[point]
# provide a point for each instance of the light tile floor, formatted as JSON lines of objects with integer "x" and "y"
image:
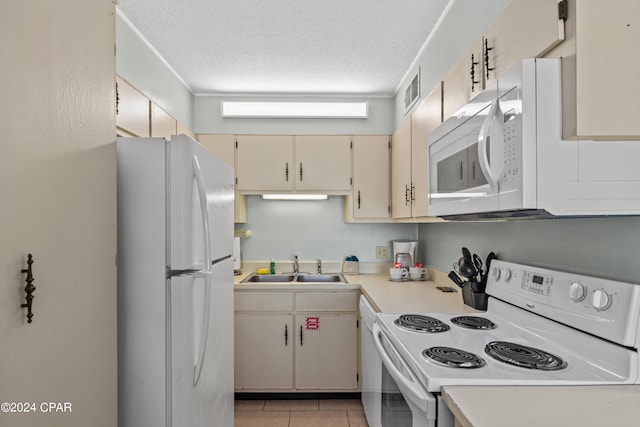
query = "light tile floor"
{"x": 300, "y": 413}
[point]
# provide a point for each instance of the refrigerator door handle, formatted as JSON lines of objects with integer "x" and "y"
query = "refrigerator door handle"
{"x": 204, "y": 332}
{"x": 204, "y": 211}
{"x": 207, "y": 273}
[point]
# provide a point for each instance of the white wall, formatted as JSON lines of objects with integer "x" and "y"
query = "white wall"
{"x": 138, "y": 64}
{"x": 313, "y": 229}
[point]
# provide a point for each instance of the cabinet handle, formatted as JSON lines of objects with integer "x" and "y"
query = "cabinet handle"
{"x": 29, "y": 288}
{"x": 286, "y": 171}
{"x": 286, "y": 335}
{"x": 473, "y": 73}
{"x": 406, "y": 195}
{"x": 486, "y": 57}
{"x": 117, "y": 100}
{"x": 413, "y": 194}
{"x": 300, "y": 171}
{"x": 301, "y": 335}
{"x": 461, "y": 170}
{"x": 359, "y": 199}
{"x": 473, "y": 171}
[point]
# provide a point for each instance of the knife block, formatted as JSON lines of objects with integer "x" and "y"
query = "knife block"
{"x": 472, "y": 297}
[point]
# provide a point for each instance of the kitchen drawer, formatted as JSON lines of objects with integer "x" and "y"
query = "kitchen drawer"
{"x": 263, "y": 301}
{"x": 327, "y": 301}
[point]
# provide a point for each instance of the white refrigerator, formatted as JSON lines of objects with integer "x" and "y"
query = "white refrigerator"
{"x": 175, "y": 284}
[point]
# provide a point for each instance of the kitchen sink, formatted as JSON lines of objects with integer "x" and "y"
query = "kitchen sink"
{"x": 269, "y": 278}
{"x": 299, "y": 278}
{"x": 322, "y": 278}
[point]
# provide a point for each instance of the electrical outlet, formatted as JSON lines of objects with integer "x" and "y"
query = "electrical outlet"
{"x": 382, "y": 252}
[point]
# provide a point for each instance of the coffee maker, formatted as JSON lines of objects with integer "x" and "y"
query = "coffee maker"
{"x": 404, "y": 252}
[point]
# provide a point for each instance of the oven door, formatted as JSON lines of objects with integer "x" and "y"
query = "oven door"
{"x": 404, "y": 402}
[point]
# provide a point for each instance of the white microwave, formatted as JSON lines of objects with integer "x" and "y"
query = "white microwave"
{"x": 502, "y": 156}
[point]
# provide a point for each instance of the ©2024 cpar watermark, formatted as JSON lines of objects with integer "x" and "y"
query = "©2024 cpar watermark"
{"x": 36, "y": 407}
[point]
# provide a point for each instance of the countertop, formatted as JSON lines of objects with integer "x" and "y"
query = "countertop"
{"x": 534, "y": 406}
{"x": 385, "y": 295}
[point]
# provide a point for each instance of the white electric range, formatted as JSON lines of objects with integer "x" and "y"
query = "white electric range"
{"x": 541, "y": 327}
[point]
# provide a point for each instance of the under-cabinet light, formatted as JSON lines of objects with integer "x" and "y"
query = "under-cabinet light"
{"x": 319, "y": 110}
{"x": 295, "y": 197}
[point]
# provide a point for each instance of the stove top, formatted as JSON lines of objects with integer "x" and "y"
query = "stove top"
{"x": 541, "y": 327}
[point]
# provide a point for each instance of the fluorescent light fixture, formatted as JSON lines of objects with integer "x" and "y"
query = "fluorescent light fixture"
{"x": 295, "y": 197}
{"x": 317, "y": 110}
{"x": 456, "y": 195}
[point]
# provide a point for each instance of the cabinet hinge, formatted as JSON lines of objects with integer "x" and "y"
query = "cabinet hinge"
{"x": 351, "y": 145}
{"x": 236, "y": 143}
{"x": 357, "y": 323}
{"x": 563, "y": 10}
{"x": 350, "y": 181}
{"x": 236, "y": 180}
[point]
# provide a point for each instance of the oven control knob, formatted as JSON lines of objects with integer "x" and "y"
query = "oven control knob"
{"x": 505, "y": 273}
{"x": 577, "y": 291}
{"x": 600, "y": 300}
{"x": 495, "y": 272}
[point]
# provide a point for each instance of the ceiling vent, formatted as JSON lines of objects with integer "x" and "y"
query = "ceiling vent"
{"x": 412, "y": 92}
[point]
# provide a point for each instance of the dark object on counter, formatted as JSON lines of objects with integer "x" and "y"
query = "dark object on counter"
{"x": 466, "y": 268}
{"x": 490, "y": 258}
{"x": 473, "y": 295}
{"x": 456, "y": 279}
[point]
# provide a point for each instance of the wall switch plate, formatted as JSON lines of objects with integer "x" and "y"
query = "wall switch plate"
{"x": 382, "y": 252}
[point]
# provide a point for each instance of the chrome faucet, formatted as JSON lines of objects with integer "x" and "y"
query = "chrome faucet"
{"x": 319, "y": 266}
{"x": 296, "y": 267}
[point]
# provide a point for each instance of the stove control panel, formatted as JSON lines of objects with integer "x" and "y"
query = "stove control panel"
{"x": 606, "y": 308}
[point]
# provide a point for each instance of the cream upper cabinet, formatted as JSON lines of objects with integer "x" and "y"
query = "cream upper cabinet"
{"x": 370, "y": 196}
{"x": 182, "y": 129}
{"x": 425, "y": 118}
{"x": 401, "y": 171}
{"x": 464, "y": 81}
{"x": 601, "y": 85}
{"x": 271, "y": 163}
{"x": 323, "y": 163}
{"x": 162, "y": 124}
{"x": 223, "y": 145}
{"x": 132, "y": 110}
{"x": 265, "y": 163}
{"x": 525, "y": 29}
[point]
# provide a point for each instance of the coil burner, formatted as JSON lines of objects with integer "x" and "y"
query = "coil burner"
{"x": 420, "y": 323}
{"x": 523, "y": 356}
{"x": 473, "y": 322}
{"x": 453, "y": 357}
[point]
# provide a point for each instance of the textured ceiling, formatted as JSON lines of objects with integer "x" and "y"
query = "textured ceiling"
{"x": 338, "y": 47}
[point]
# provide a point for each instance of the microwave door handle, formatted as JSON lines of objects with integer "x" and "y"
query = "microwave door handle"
{"x": 484, "y": 138}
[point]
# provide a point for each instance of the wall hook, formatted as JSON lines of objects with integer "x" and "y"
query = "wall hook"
{"x": 29, "y": 288}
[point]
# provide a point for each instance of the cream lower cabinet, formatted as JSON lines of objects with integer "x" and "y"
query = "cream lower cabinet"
{"x": 296, "y": 341}
{"x": 263, "y": 351}
{"x": 326, "y": 351}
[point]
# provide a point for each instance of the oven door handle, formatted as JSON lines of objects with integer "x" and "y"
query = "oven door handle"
{"x": 407, "y": 382}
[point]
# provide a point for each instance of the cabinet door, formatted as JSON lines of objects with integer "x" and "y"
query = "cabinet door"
{"x": 463, "y": 81}
{"x": 162, "y": 124}
{"x": 132, "y": 110}
{"x": 525, "y": 29}
{"x": 326, "y": 351}
{"x": 401, "y": 171}
{"x": 606, "y": 70}
{"x": 265, "y": 163}
{"x": 224, "y": 147}
{"x": 370, "y": 176}
{"x": 263, "y": 351}
{"x": 323, "y": 163}
{"x": 426, "y": 117}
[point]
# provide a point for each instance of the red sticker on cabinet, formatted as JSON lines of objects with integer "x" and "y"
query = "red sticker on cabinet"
{"x": 312, "y": 323}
